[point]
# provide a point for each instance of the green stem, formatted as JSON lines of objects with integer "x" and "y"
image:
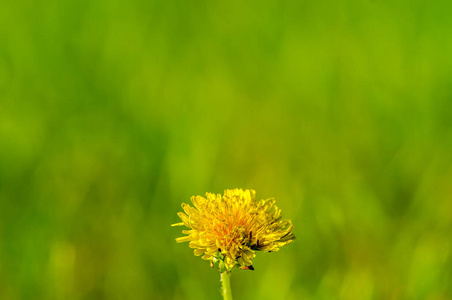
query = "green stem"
{"x": 226, "y": 286}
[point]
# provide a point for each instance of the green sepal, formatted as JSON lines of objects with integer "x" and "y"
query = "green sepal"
{"x": 217, "y": 262}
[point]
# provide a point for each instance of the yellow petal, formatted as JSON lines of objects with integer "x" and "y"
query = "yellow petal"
{"x": 199, "y": 251}
{"x": 183, "y": 239}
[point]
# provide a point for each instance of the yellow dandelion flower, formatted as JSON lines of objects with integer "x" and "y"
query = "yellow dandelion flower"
{"x": 228, "y": 229}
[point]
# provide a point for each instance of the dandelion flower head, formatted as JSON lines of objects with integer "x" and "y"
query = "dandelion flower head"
{"x": 228, "y": 229}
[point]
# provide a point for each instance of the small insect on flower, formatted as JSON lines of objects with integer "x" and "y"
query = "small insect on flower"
{"x": 228, "y": 229}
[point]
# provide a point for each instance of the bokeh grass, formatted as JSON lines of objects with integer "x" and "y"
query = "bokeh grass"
{"x": 112, "y": 113}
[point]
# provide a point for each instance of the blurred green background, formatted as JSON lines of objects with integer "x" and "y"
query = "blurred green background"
{"x": 113, "y": 113}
